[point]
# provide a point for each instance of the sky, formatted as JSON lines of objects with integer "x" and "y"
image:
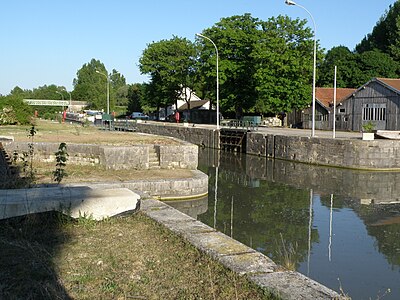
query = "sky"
{"x": 44, "y": 42}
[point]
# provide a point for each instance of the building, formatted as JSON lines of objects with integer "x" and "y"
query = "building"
{"x": 324, "y": 99}
{"x": 377, "y": 101}
{"x": 191, "y": 107}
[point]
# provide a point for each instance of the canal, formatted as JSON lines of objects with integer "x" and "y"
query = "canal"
{"x": 340, "y": 227}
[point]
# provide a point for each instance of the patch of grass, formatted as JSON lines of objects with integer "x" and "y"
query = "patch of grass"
{"x": 126, "y": 258}
{"x": 55, "y": 132}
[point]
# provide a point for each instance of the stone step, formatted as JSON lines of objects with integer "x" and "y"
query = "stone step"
{"x": 154, "y": 162}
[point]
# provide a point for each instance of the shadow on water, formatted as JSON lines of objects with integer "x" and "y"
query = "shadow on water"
{"x": 327, "y": 223}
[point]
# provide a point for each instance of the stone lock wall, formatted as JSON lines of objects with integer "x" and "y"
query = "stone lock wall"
{"x": 199, "y": 136}
{"x": 184, "y": 156}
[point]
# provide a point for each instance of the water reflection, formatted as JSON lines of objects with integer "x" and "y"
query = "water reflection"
{"x": 314, "y": 219}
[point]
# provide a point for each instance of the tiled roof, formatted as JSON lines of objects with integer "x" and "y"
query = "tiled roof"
{"x": 325, "y": 95}
{"x": 392, "y": 82}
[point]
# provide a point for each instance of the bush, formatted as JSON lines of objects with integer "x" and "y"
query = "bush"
{"x": 14, "y": 111}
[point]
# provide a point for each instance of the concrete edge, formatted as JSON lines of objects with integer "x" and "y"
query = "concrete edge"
{"x": 236, "y": 256}
{"x": 169, "y": 189}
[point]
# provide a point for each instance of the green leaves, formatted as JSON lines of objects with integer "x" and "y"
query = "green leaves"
{"x": 171, "y": 65}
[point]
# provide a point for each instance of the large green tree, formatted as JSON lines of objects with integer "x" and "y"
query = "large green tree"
{"x": 346, "y": 63}
{"x": 135, "y": 98}
{"x": 14, "y": 111}
{"x": 355, "y": 69}
{"x": 385, "y": 35}
{"x": 284, "y": 60}
{"x": 171, "y": 67}
{"x": 235, "y": 38}
{"x": 90, "y": 85}
{"x": 265, "y": 66}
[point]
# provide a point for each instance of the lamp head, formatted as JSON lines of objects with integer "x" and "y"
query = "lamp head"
{"x": 290, "y": 2}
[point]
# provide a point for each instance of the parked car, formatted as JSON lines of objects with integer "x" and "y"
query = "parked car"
{"x": 138, "y": 116}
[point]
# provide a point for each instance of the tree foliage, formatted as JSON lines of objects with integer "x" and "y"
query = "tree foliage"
{"x": 90, "y": 85}
{"x": 135, "y": 97}
{"x": 14, "y": 111}
{"x": 171, "y": 67}
{"x": 265, "y": 66}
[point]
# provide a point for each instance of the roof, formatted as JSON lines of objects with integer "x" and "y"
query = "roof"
{"x": 325, "y": 95}
{"x": 194, "y": 104}
{"x": 392, "y": 82}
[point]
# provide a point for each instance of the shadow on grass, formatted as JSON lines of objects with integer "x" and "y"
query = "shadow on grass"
{"x": 28, "y": 246}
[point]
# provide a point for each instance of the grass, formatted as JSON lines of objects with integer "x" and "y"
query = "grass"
{"x": 49, "y": 256}
{"x": 55, "y": 132}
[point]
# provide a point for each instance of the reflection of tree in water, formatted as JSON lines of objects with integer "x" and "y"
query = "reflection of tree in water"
{"x": 263, "y": 216}
{"x": 382, "y": 222}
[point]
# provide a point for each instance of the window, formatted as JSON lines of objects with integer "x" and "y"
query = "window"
{"x": 374, "y": 112}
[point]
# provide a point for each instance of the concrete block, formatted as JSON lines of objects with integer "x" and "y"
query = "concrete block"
{"x": 74, "y": 201}
{"x": 294, "y": 286}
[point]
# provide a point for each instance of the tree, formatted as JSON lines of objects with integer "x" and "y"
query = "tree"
{"x": 346, "y": 62}
{"x": 265, "y": 66}
{"x": 385, "y": 35}
{"x": 91, "y": 86}
{"x": 135, "y": 98}
{"x": 235, "y": 38}
{"x": 118, "y": 89}
{"x": 171, "y": 67}
{"x": 374, "y": 64}
{"x": 284, "y": 59}
{"x": 51, "y": 92}
{"x": 14, "y": 111}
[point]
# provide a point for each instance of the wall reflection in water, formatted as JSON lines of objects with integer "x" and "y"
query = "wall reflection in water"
{"x": 327, "y": 223}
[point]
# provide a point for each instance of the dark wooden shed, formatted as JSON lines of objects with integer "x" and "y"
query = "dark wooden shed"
{"x": 323, "y": 108}
{"x": 377, "y": 101}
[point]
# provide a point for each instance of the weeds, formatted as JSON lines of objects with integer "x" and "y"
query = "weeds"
{"x": 287, "y": 254}
{"x": 61, "y": 162}
{"x": 31, "y": 152}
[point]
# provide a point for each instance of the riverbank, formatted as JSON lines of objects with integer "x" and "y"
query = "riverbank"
{"x": 49, "y": 256}
{"x": 234, "y": 255}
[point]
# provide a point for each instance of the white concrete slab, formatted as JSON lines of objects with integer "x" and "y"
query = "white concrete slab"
{"x": 74, "y": 201}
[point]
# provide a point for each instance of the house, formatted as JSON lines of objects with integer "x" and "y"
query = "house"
{"x": 191, "y": 108}
{"x": 377, "y": 101}
{"x": 324, "y": 98}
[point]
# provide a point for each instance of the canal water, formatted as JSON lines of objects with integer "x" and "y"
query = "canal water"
{"x": 340, "y": 227}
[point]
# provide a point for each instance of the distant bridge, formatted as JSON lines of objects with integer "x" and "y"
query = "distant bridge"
{"x": 43, "y": 102}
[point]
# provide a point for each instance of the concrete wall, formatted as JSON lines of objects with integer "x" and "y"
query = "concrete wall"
{"x": 199, "y": 136}
{"x": 184, "y": 156}
{"x": 348, "y": 153}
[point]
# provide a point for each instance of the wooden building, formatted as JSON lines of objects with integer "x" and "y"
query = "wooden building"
{"x": 377, "y": 101}
{"x": 323, "y": 109}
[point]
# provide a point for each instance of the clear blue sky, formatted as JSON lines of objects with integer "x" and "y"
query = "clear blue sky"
{"x": 47, "y": 42}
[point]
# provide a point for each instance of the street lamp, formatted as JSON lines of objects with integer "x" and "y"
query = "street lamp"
{"x": 290, "y": 2}
{"x": 108, "y": 90}
{"x": 216, "y": 51}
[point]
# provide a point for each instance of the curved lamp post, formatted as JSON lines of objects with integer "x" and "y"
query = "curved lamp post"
{"x": 108, "y": 90}
{"x": 289, "y": 2}
{"x": 216, "y": 51}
